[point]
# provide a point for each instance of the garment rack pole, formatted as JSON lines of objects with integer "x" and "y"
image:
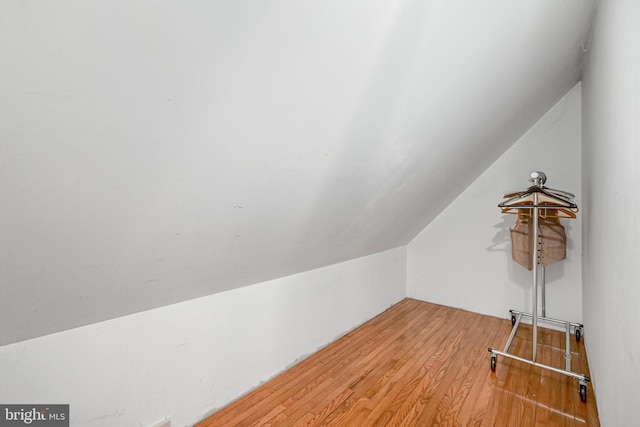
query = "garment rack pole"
{"x": 534, "y": 255}
{"x": 543, "y": 292}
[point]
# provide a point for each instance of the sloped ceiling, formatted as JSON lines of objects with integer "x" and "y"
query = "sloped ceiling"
{"x": 153, "y": 152}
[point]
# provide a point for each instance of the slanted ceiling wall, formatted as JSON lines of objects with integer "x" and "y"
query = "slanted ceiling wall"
{"x": 156, "y": 152}
{"x": 186, "y": 360}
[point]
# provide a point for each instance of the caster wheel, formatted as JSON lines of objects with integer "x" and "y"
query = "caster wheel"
{"x": 578, "y": 334}
{"x": 493, "y": 363}
{"x": 513, "y": 320}
{"x": 583, "y": 393}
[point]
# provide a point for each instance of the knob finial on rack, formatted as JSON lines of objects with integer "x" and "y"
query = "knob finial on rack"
{"x": 538, "y": 178}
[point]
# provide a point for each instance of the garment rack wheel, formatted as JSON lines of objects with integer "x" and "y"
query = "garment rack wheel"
{"x": 583, "y": 393}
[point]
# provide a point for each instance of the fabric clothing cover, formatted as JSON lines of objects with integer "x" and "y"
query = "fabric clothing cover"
{"x": 552, "y": 241}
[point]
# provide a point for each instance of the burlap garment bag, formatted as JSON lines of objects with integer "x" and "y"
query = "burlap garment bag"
{"x": 552, "y": 240}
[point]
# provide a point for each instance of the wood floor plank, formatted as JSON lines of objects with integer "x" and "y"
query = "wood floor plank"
{"x": 410, "y": 355}
{"x": 450, "y": 410}
{"x": 444, "y": 408}
{"x": 411, "y": 361}
{"x": 363, "y": 369}
{"x": 421, "y": 364}
{"x": 424, "y": 382}
{"x": 478, "y": 399}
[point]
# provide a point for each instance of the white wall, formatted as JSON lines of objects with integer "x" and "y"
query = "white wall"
{"x": 463, "y": 258}
{"x": 185, "y": 360}
{"x": 611, "y": 174}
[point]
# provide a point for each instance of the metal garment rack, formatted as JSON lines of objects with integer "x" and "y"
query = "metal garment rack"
{"x": 539, "y": 178}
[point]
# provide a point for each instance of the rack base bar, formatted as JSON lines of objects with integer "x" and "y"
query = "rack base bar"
{"x": 548, "y": 319}
{"x": 513, "y": 332}
{"x": 582, "y": 378}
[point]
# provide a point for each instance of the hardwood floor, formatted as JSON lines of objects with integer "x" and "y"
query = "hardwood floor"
{"x": 421, "y": 364}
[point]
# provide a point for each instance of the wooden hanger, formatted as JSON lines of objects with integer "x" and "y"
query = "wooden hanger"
{"x": 542, "y": 212}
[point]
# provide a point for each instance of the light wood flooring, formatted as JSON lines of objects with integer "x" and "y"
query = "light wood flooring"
{"x": 421, "y": 364}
